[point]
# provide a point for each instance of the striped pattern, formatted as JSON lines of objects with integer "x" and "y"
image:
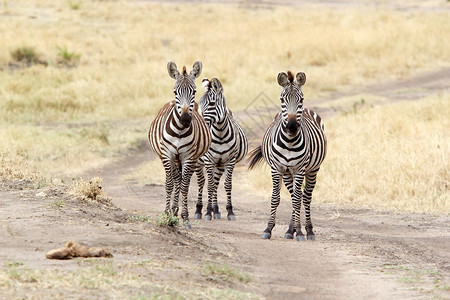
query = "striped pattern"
{"x": 180, "y": 137}
{"x": 229, "y": 146}
{"x": 294, "y": 146}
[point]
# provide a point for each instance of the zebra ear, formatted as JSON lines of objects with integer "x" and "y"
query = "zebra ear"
{"x": 282, "y": 79}
{"x": 172, "y": 69}
{"x": 197, "y": 69}
{"x": 301, "y": 78}
{"x": 216, "y": 85}
{"x": 205, "y": 83}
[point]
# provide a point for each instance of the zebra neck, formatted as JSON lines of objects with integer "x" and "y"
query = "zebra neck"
{"x": 221, "y": 123}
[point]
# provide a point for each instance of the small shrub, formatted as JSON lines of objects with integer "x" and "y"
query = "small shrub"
{"x": 90, "y": 190}
{"x": 67, "y": 58}
{"x": 140, "y": 218}
{"x": 167, "y": 219}
{"x": 25, "y": 54}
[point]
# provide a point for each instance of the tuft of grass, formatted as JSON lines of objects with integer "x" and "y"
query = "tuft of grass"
{"x": 167, "y": 219}
{"x": 15, "y": 166}
{"x": 96, "y": 133}
{"x": 65, "y": 57}
{"x": 140, "y": 218}
{"x": 74, "y": 5}
{"x": 90, "y": 190}
{"x": 25, "y": 54}
{"x": 10, "y": 264}
{"x": 225, "y": 272}
{"x": 57, "y": 204}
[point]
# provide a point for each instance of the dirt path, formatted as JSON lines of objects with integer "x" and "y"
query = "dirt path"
{"x": 359, "y": 253}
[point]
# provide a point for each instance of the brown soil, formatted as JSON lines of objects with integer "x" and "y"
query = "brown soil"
{"x": 359, "y": 253}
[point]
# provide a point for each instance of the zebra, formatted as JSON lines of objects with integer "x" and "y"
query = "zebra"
{"x": 179, "y": 136}
{"x": 229, "y": 146}
{"x": 294, "y": 146}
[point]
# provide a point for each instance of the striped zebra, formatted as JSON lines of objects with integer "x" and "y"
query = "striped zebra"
{"x": 180, "y": 137}
{"x": 229, "y": 145}
{"x": 294, "y": 146}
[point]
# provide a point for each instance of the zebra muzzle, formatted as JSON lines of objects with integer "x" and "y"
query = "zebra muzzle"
{"x": 292, "y": 125}
{"x": 185, "y": 119}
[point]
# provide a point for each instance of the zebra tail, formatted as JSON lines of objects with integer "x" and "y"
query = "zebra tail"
{"x": 255, "y": 157}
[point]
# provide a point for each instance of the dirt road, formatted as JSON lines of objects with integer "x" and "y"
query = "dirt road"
{"x": 358, "y": 254}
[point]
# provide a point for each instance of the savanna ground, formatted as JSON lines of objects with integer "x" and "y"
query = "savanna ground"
{"x": 80, "y": 82}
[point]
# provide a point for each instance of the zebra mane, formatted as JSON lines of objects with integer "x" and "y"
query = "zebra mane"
{"x": 290, "y": 76}
{"x": 184, "y": 71}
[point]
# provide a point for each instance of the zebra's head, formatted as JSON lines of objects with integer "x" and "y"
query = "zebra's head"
{"x": 212, "y": 103}
{"x": 291, "y": 100}
{"x": 184, "y": 90}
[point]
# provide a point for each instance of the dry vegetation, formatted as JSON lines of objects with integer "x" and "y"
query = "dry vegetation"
{"x": 80, "y": 82}
{"x": 118, "y": 281}
{"x": 71, "y": 113}
{"x": 386, "y": 157}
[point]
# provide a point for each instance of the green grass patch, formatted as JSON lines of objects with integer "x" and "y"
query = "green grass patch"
{"x": 167, "y": 219}
{"x": 225, "y": 272}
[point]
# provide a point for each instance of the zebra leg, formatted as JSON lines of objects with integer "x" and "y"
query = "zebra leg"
{"x": 188, "y": 169}
{"x": 200, "y": 183}
{"x": 169, "y": 183}
{"x": 228, "y": 184}
{"x": 296, "y": 204}
{"x": 307, "y": 195}
{"x": 275, "y": 201}
{"x": 217, "y": 175}
{"x": 210, "y": 173}
{"x": 288, "y": 181}
{"x": 176, "y": 174}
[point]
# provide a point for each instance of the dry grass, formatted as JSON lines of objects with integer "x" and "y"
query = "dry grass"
{"x": 394, "y": 156}
{"x": 104, "y": 279}
{"x": 90, "y": 190}
{"x": 386, "y": 157}
{"x": 116, "y": 54}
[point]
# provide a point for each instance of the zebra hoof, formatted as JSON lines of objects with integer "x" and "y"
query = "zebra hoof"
{"x": 289, "y": 236}
{"x": 207, "y": 218}
{"x": 197, "y": 216}
{"x": 300, "y": 238}
{"x": 311, "y": 237}
{"x": 266, "y": 236}
{"x": 187, "y": 226}
{"x": 232, "y": 217}
{"x": 217, "y": 216}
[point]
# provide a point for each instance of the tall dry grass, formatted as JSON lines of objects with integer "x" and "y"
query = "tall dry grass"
{"x": 392, "y": 157}
{"x": 67, "y": 118}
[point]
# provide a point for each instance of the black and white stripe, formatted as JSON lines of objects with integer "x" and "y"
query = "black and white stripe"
{"x": 180, "y": 137}
{"x": 229, "y": 145}
{"x": 294, "y": 146}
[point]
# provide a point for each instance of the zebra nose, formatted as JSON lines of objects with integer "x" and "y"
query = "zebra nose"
{"x": 292, "y": 125}
{"x": 185, "y": 118}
